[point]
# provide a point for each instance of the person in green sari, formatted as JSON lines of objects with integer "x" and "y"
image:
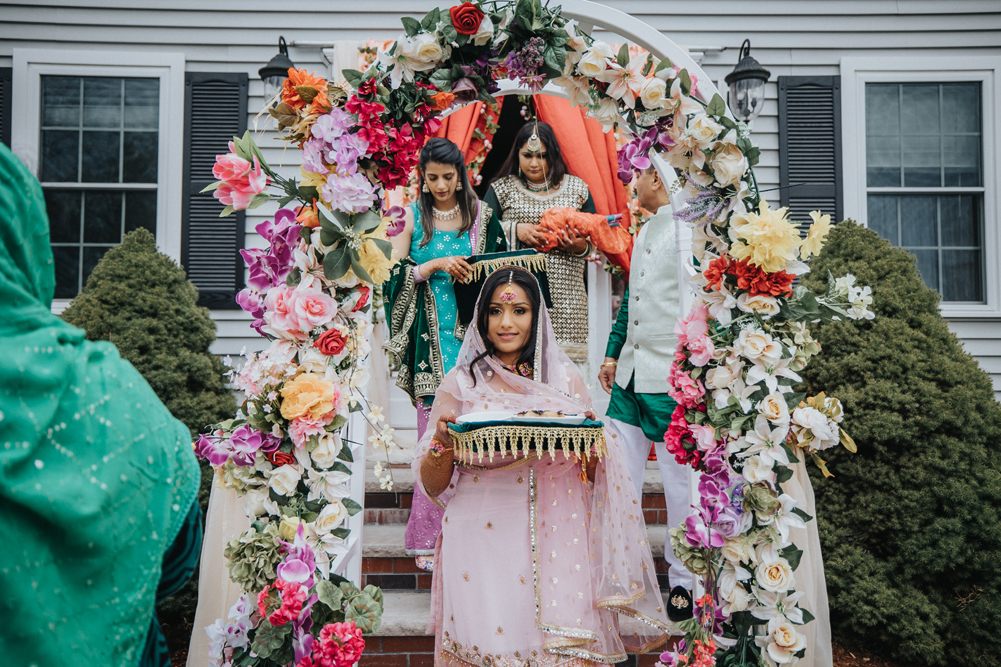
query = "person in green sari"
{"x": 98, "y": 481}
{"x": 446, "y": 225}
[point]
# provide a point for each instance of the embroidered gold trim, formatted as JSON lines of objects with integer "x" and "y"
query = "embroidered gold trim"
{"x": 485, "y": 267}
{"x": 520, "y": 439}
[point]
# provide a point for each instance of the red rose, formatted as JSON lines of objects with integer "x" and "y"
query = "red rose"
{"x": 466, "y": 18}
{"x": 331, "y": 342}
{"x": 362, "y": 300}
{"x": 280, "y": 458}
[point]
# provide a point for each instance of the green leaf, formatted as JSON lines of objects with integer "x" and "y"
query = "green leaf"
{"x": 374, "y": 592}
{"x": 339, "y": 421}
{"x": 442, "y": 80}
{"x": 430, "y": 20}
{"x": 783, "y": 474}
{"x": 727, "y": 122}
{"x": 790, "y": 453}
{"x": 555, "y": 58}
{"x": 226, "y": 211}
{"x": 385, "y": 246}
{"x": 210, "y": 188}
{"x": 340, "y": 467}
{"x": 449, "y": 33}
{"x": 648, "y": 65}
{"x": 340, "y": 533}
{"x": 560, "y": 37}
{"x": 411, "y": 25}
{"x": 329, "y": 594}
{"x": 365, "y": 222}
{"x": 802, "y": 514}
{"x": 716, "y": 106}
{"x": 807, "y": 616}
{"x": 663, "y": 64}
{"x": 259, "y": 199}
{"x": 353, "y": 77}
{"x": 351, "y": 506}
{"x": 269, "y": 638}
{"x": 336, "y": 263}
{"x": 686, "y": 82}
{"x": 364, "y": 612}
{"x": 345, "y": 454}
{"x": 622, "y": 57}
{"x": 358, "y": 269}
{"x": 793, "y": 555}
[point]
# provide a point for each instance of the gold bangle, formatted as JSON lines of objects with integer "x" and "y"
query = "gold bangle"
{"x": 609, "y": 363}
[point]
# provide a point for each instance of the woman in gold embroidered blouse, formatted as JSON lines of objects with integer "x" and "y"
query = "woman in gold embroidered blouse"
{"x": 532, "y": 180}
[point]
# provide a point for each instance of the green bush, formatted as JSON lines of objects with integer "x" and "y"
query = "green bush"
{"x": 141, "y": 301}
{"x": 911, "y": 524}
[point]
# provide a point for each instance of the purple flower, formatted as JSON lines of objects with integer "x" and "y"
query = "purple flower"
{"x": 212, "y": 449}
{"x": 332, "y": 125}
{"x": 246, "y": 440}
{"x": 352, "y": 193}
{"x": 313, "y": 152}
{"x": 699, "y": 534}
{"x": 396, "y": 215}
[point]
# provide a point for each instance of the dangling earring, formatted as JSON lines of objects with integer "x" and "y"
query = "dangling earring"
{"x": 458, "y": 186}
{"x": 425, "y": 188}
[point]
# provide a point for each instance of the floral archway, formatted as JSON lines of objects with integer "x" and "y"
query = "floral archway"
{"x": 740, "y": 422}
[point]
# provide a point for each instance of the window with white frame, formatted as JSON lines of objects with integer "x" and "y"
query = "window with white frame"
{"x": 95, "y": 128}
{"x": 98, "y": 167}
{"x": 924, "y": 179}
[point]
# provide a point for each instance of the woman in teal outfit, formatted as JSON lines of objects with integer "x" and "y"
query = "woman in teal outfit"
{"x": 447, "y": 224}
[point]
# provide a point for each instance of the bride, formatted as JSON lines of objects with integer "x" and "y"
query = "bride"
{"x": 537, "y": 562}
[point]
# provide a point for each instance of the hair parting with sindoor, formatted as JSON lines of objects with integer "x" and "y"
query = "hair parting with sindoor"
{"x": 556, "y": 168}
{"x": 495, "y": 280}
{"x": 442, "y": 151}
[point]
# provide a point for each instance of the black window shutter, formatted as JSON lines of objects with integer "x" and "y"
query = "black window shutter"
{"x": 215, "y": 110}
{"x": 810, "y": 146}
{"x": 6, "y": 101}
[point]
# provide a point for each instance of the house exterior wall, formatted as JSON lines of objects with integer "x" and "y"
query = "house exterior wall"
{"x": 788, "y": 37}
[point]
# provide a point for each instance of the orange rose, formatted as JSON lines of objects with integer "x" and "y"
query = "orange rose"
{"x": 442, "y": 100}
{"x": 308, "y": 395}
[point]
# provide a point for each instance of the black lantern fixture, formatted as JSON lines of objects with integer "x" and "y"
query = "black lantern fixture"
{"x": 747, "y": 85}
{"x": 275, "y": 72}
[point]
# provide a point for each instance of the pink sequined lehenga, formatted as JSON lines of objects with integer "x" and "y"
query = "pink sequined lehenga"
{"x": 535, "y": 567}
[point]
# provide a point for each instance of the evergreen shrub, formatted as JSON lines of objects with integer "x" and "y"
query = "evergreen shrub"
{"x": 911, "y": 524}
{"x": 141, "y": 301}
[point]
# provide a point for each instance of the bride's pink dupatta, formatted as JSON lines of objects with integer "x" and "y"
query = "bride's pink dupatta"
{"x": 596, "y": 591}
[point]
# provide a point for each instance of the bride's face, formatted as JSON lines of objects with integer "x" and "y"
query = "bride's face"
{"x": 509, "y": 321}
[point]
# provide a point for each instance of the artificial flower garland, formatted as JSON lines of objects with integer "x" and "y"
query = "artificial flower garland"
{"x": 739, "y": 422}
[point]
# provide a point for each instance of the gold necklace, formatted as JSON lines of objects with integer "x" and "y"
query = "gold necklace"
{"x": 446, "y": 215}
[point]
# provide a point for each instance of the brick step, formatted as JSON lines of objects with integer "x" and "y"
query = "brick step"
{"x": 393, "y": 507}
{"x": 385, "y": 563}
{"x": 401, "y": 642}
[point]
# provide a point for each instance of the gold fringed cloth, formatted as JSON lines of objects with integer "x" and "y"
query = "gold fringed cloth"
{"x": 488, "y": 439}
{"x": 531, "y": 261}
{"x": 467, "y": 293}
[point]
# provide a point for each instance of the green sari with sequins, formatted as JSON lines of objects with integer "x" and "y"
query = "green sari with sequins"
{"x": 97, "y": 479}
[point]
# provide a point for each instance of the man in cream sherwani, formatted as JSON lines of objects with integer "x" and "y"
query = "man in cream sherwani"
{"x": 637, "y": 362}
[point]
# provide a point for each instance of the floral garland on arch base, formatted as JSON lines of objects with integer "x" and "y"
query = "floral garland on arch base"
{"x": 739, "y": 422}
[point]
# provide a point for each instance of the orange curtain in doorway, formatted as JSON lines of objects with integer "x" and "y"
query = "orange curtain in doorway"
{"x": 459, "y": 126}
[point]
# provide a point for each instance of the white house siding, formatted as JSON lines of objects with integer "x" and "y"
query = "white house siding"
{"x": 788, "y": 37}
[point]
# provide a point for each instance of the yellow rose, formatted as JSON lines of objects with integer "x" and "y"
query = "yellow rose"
{"x": 288, "y": 527}
{"x": 768, "y": 240}
{"x": 309, "y": 394}
{"x": 815, "y": 238}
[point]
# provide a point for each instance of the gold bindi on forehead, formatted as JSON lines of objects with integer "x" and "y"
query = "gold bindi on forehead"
{"x": 534, "y": 143}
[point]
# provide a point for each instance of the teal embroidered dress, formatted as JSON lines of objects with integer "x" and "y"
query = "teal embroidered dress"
{"x": 424, "y": 334}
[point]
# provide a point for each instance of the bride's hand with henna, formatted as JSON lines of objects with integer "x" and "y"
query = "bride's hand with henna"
{"x": 441, "y": 432}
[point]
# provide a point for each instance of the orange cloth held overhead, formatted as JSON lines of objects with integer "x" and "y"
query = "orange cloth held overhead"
{"x": 610, "y": 240}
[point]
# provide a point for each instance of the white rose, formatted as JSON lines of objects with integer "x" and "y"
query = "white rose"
{"x": 756, "y": 345}
{"x": 773, "y": 408}
{"x": 775, "y": 575}
{"x": 725, "y": 374}
{"x": 424, "y": 51}
{"x": 783, "y": 641}
{"x": 607, "y": 113}
{"x": 703, "y": 131}
{"x": 739, "y": 550}
{"x": 284, "y": 480}
{"x": 756, "y": 470}
{"x": 484, "y": 33}
{"x": 326, "y": 451}
{"x": 311, "y": 360}
{"x": 825, "y": 431}
{"x": 255, "y": 502}
{"x": 652, "y": 93}
{"x": 592, "y": 63}
{"x": 762, "y": 304}
{"x": 331, "y": 516}
{"x": 736, "y": 596}
{"x": 729, "y": 165}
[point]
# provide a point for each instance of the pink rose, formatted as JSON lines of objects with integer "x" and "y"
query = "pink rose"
{"x": 278, "y": 315}
{"x": 684, "y": 389}
{"x": 693, "y": 325}
{"x": 241, "y": 180}
{"x": 705, "y": 437}
{"x": 702, "y": 350}
{"x": 301, "y": 428}
{"x": 310, "y": 308}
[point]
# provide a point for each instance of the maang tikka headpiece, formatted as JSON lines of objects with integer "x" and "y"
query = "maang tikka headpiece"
{"x": 534, "y": 143}
{"x": 508, "y": 294}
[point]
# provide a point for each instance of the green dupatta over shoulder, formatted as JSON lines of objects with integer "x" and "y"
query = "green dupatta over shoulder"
{"x": 413, "y": 323}
{"x": 96, "y": 477}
